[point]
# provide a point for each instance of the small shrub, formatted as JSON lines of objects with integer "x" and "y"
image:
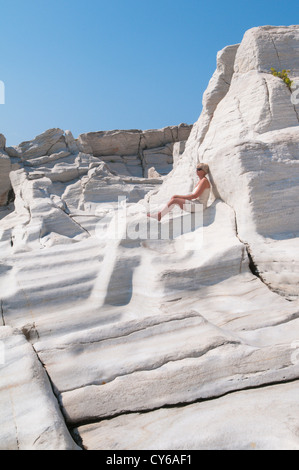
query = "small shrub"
{"x": 283, "y": 75}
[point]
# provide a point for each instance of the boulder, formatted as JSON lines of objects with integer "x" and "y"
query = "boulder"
{"x": 5, "y": 168}
{"x": 2, "y": 142}
{"x": 5, "y": 185}
{"x": 40, "y": 146}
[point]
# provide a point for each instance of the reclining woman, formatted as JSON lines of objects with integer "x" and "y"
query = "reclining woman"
{"x": 200, "y": 195}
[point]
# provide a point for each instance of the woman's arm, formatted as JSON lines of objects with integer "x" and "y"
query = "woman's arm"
{"x": 197, "y": 192}
{"x": 189, "y": 196}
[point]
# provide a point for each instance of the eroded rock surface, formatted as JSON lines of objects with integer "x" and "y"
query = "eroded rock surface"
{"x": 248, "y": 134}
{"x": 30, "y": 416}
{"x": 163, "y": 335}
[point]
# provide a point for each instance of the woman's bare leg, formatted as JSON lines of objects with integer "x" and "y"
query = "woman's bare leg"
{"x": 169, "y": 206}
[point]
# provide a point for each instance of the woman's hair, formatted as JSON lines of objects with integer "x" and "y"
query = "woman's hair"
{"x": 204, "y": 167}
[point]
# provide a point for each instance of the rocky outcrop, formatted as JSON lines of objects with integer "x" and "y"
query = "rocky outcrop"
{"x": 61, "y": 194}
{"x": 56, "y": 155}
{"x": 134, "y": 152}
{"x": 131, "y": 142}
{"x": 248, "y": 134}
{"x": 5, "y": 168}
{"x": 46, "y": 143}
{"x": 147, "y": 328}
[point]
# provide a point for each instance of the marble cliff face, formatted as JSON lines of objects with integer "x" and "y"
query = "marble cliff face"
{"x": 130, "y": 328}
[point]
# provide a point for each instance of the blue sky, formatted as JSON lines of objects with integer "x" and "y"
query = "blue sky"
{"x": 119, "y": 64}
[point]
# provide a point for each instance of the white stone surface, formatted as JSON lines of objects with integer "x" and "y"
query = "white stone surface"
{"x": 248, "y": 134}
{"x": 129, "y": 315}
{"x": 40, "y": 145}
{"x": 262, "y": 419}
{"x": 212, "y": 369}
{"x": 29, "y": 413}
{"x": 131, "y": 142}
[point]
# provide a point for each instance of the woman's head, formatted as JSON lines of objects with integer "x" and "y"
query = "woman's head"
{"x": 202, "y": 167}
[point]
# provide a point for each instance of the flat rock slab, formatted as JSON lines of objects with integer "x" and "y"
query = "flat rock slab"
{"x": 260, "y": 419}
{"x": 29, "y": 413}
{"x": 222, "y": 369}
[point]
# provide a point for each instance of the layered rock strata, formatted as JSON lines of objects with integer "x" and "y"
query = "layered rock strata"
{"x": 174, "y": 335}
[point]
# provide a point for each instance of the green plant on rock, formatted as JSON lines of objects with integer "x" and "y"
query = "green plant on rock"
{"x": 284, "y": 75}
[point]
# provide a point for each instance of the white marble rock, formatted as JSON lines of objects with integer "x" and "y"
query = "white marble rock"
{"x": 29, "y": 412}
{"x": 136, "y": 322}
{"x": 258, "y": 419}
